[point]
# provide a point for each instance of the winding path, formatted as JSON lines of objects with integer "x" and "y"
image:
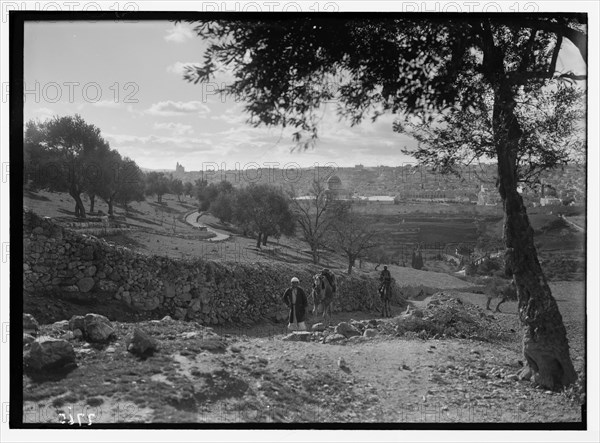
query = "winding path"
{"x": 191, "y": 220}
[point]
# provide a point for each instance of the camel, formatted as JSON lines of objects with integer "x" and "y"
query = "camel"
{"x": 322, "y": 295}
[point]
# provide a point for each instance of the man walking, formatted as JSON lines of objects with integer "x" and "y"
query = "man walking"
{"x": 296, "y": 300}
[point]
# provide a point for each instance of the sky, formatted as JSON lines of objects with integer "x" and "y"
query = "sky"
{"x": 126, "y": 78}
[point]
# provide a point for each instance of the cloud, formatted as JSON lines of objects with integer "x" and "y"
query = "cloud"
{"x": 178, "y": 67}
{"x": 175, "y": 128}
{"x": 111, "y": 104}
{"x": 180, "y": 33}
{"x": 170, "y": 108}
{"x": 44, "y": 113}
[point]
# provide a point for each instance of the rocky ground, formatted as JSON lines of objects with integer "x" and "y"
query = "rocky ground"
{"x": 445, "y": 359}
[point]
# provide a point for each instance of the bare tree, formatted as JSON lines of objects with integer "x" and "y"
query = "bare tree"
{"x": 352, "y": 236}
{"x": 314, "y": 215}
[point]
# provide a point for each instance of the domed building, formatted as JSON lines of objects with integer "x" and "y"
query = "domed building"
{"x": 335, "y": 190}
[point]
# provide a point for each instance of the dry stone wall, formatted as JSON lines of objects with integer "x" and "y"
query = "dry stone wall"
{"x": 58, "y": 260}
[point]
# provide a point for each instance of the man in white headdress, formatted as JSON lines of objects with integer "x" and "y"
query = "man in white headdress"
{"x": 295, "y": 299}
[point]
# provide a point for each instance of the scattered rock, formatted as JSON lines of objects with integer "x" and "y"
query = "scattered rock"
{"x": 63, "y": 324}
{"x": 346, "y": 330}
{"x": 341, "y": 363}
{"x": 30, "y": 325}
{"x": 77, "y": 322}
{"x": 298, "y": 336}
{"x": 319, "y": 327}
{"x": 167, "y": 318}
{"x": 370, "y": 333}
{"x": 235, "y": 349}
{"x": 50, "y": 354}
{"x": 68, "y": 335}
{"x": 110, "y": 350}
{"x": 187, "y": 335}
{"x": 334, "y": 338}
{"x": 141, "y": 343}
{"x": 98, "y": 328}
{"x": 212, "y": 344}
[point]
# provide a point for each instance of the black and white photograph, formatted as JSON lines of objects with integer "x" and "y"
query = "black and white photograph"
{"x": 299, "y": 216}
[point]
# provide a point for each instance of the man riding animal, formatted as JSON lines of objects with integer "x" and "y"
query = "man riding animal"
{"x": 385, "y": 291}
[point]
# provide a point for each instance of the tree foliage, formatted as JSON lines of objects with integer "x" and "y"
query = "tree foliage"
{"x": 63, "y": 154}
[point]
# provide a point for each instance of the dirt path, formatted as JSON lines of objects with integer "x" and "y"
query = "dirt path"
{"x": 220, "y": 236}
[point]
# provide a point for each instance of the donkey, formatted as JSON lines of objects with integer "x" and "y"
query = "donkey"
{"x": 505, "y": 292}
{"x": 322, "y": 295}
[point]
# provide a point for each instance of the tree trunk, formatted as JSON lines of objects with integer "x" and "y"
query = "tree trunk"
{"x": 264, "y": 240}
{"x": 110, "y": 206}
{"x": 259, "y": 240}
{"x": 545, "y": 345}
{"x": 79, "y": 208}
{"x": 351, "y": 262}
{"x": 315, "y": 254}
{"x": 92, "y": 202}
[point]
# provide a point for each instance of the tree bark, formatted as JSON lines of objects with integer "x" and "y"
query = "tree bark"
{"x": 545, "y": 345}
{"x": 259, "y": 240}
{"x": 351, "y": 262}
{"x": 264, "y": 240}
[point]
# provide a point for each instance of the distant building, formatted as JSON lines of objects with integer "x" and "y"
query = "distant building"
{"x": 381, "y": 199}
{"x": 179, "y": 168}
{"x": 335, "y": 189}
{"x": 550, "y": 201}
{"x": 359, "y": 167}
{"x": 485, "y": 198}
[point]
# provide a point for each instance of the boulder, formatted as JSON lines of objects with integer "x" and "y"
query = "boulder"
{"x": 141, "y": 343}
{"x": 98, "y": 328}
{"x": 346, "y": 330}
{"x": 370, "y": 333}
{"x": 318, "y": 327}
{"x": 167, "y": 318}
{"x": 77, "y": 334}
{"x": 50, "y": 354}
{"x": 298, "y": 336}
{"x": 30, "y": 325}
{"x": 77, "y": 322}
